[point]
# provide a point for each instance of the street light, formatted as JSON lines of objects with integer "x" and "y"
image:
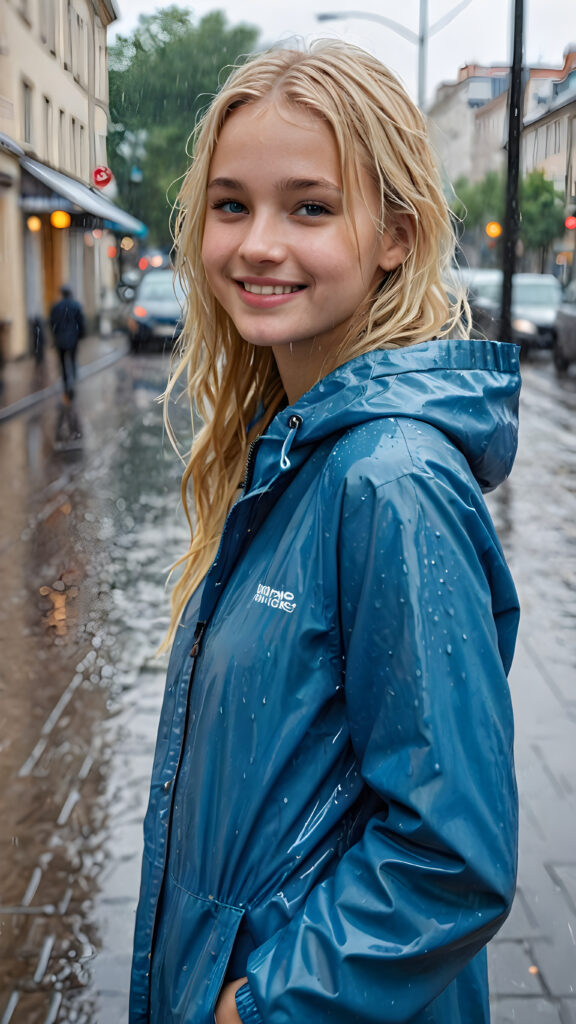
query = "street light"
{"x": 420, "y": 39}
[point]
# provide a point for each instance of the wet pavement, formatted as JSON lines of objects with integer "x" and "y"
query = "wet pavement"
{"x": 91, "y": 523}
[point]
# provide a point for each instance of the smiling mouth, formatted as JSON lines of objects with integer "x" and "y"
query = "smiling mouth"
{"x": 271, "y": 289}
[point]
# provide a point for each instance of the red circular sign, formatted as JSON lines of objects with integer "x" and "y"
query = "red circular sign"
{"x": 102, "y": 176}
{"x": 570, "y": 223}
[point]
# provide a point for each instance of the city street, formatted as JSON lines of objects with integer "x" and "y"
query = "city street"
{"x": 91, "y": 523}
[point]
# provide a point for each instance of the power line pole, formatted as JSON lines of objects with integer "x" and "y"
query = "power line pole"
{"x": 512, "y": 212}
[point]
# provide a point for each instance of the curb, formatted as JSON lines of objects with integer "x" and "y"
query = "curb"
{"x": 35, "y": 397}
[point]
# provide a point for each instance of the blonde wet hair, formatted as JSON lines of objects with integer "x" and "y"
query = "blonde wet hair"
{"x": 234, "y": 387}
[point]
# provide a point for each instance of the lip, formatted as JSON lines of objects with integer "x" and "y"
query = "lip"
{"x": 256, "y": 301}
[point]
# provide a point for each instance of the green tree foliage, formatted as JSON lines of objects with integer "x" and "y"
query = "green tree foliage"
{"x": 161, "y": 77}
{"x": 476, "y": 204}
{"x": 541, "y": 208}
{"x": 541, "y": 213}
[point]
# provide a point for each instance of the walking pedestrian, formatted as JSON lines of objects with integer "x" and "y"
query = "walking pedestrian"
{"x": 67, "y": 323}
{"x": 331, "y": 832}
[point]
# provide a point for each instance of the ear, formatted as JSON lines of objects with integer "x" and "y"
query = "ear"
{"x": 396, "y": 244}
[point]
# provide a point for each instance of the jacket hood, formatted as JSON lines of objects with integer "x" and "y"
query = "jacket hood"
{"x": 468, "y": 389}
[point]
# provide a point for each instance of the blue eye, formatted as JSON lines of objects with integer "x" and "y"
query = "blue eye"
{"x": 313, "y": 209}
{"x": 230, "y": 206}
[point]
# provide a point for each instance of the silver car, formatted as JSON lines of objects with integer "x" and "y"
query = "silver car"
{"x": 565, "y": 343}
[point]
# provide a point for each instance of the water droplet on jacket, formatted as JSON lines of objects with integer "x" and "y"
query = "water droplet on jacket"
{"x": 448, "y": 648}
{"x": 285, "y": 800}
{"x": 464, "y": 637}
{"x": 264, "y": 700}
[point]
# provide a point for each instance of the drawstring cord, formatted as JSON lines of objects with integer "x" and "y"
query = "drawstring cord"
{"x": 294, "y": 422}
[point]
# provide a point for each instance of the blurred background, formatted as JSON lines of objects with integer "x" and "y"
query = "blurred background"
{"x": 98, "y": 99}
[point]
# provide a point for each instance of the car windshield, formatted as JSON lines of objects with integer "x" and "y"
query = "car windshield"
{"x": 536, "y": 293}
{"x": 160, "y": 287}
{"x": 487, "y": 290}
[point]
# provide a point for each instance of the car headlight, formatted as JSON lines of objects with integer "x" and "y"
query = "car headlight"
{"x": 524, "y": 326}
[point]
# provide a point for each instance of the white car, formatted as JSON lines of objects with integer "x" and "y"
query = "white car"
{"x": 565, "y": 343}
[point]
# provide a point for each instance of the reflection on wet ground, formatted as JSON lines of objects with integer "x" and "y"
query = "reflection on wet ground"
{"x": 535, "y": 515}
{"x": 91, "y": 523}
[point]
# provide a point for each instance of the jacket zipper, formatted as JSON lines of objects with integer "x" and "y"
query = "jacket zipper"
{"x": 249, "y": 467}
{"x": 198, "y": 635}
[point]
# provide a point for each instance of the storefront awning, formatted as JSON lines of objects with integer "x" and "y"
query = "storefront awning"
{"x": 84, "y": 198}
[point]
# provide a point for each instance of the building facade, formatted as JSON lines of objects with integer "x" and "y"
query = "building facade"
{"x": 452, "y": 116}
{"x": 469, "y": 126}
{"x": 56, "y": 226}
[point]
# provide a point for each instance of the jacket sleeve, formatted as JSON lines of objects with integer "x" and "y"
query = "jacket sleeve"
{"x": 428, "y": 614}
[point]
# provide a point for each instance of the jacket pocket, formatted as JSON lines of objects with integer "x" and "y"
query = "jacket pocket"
{"x": 193, "y": 944}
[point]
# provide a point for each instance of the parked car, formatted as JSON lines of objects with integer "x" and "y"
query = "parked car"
{"x": 536, "y": 299}
{"x": 483, "y": 286}
{"x": 156, "y": 314}
{"x": 565, "y": 343}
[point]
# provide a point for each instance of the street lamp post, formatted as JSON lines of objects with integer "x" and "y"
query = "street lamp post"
{"x": 420, "y": 38}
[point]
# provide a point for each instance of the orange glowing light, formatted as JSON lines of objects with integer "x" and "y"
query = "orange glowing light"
{"x": 140, "y": 311}
{"x": 33, "y": 223}
{"x": 111, "y": 250}
{"x": 493, "y": 229}
{"x": 60, "y": 219}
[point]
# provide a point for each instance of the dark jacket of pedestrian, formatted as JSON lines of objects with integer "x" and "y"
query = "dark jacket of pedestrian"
{"x": 333, "y": 808}
{"x": 67, "y": 321}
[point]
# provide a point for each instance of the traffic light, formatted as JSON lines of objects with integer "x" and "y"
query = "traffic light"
{"x": 493, "y": 229}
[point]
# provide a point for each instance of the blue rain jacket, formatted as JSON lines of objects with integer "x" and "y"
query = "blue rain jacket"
{"x": 333, "y": 809}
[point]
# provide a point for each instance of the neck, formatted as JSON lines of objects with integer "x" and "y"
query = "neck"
{"x": 300, "y": 365}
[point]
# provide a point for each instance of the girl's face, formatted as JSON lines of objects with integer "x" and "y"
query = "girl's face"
{"x": 279, "y": 254}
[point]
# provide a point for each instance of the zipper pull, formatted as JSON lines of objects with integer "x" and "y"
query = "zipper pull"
{"x": 294, "y": 422}
{"x": 198, "y": 634}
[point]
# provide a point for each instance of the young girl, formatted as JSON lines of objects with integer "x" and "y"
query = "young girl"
{"x": 331, "y": 834}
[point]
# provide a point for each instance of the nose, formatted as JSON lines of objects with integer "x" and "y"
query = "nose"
{"x": 263, "y": 240}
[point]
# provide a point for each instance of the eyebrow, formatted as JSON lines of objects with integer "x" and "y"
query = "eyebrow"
{"x": 286, "y": 185}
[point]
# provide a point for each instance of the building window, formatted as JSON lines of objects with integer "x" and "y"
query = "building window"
{"x": 82, "y": 162}
{"x": 48, "y": 25}
{"x": 27, "y": 112}
{"x": 24, "y": 8}
{"x": 548, "y": 144}
{"x": 73, "y": 146}
{"x": 48, "y": 129}
{"x": 61, "y": 139}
